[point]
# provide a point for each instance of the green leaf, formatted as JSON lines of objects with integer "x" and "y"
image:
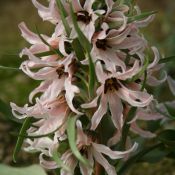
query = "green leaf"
{"x": 167, "y": 137}
{"x": 87, "y": 47}
{"x": 43, "y": 54}
{"x": 20, "y": 140}
{"x": 46, "y": 43}
{"x": 63, "y": 17}
{"x": 78, "y": 49}
{"x": 9, "y": 68}
{"x": 34, "y": 169}
{"x": 167, "y": 59}
{"x": 141, "y": 16}
{"x": 71, "y": 132}
{"x": 40, "y": 136}
{"x": 125, "y": 130}
{"x": 82, "y": 38}
{"x": 60, "y": 163}
{"x": 92, "y": 76}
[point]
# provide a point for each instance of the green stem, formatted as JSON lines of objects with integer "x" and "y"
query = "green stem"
{"x": 136, "y": 157}
{"x": 126, "y": 126}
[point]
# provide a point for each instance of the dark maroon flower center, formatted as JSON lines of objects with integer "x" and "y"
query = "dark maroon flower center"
{"x": 111, "y": 85}
{"x": 84, "y": 17}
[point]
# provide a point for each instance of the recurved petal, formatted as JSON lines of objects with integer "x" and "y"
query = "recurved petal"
{"x": 156, "y": 58}
{"x": 41, "y": 88}
{"x": 113, "y": 154}
{"x": 47, "y": 164}
{"x": 145, "y": 22}
{"x": 29, "y": 36}
{"x": 100, "y": 73}
{"x": 153, "y": 81}
{"x": 129, "y": 73}
{"x": 137, "y": 130}
{"x": 102, "y": 161}
{"x": 19, "y": 112}
{"x": 70, "y": 93}
{"x": 135, "y": 98}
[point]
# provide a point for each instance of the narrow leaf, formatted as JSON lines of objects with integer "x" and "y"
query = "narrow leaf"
{"x": 60, "y": 163}
{"x": 20, "y": 140}
{"x": 78, "y": 49}
{"x": 71, "y": 132}
{"x": 63, "y": 17}
{"x": 46, "y": 43}
{"x": 9, "y": 68}
{"x": 87, "y": 47}
{"x": 167, "y": 59}
{"x": 92, "y": 75}
{"x": 43, "y": 54}
{"x": 141, "y": 16}
{"x": 82, "y": 38}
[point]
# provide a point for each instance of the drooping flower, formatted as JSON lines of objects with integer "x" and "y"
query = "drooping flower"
{"x": 112, "y": 91}
{"x": 90, "y": 148}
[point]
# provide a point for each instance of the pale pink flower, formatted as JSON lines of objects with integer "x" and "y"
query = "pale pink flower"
{"x": 115, "y": 15}
{"x": 109, "y": 45}
{"x": 56, "y": 40}
{"x": 112, "y": 91}
{"x": 93, "y": 151}
{"x": 50, "y": 13}
{"x": 143, "y": 114}
{"x": 57, "y": 76}
{"x": 86, "y": 18}
{"x": 153, "y": 68}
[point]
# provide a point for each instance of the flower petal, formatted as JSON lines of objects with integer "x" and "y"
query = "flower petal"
{"x": 70, "y": 93}
{"x": 102, "y": 161}
{"x": 116, "y": 109}
{"x": 113, "y": 154}
{"x": 137, "y": 130}
{"x": 102, "y": 109}
{"x": 31, "y": 37}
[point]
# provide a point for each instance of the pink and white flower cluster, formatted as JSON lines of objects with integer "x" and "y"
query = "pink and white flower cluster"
{"x": 119, "y": 56}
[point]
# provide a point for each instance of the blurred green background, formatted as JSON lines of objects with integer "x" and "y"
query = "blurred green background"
{"x": 15, "y": 86}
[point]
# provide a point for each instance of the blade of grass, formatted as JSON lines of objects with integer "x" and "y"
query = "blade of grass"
{"x": 20, "y": 140}
{"x": 71, "y": 132}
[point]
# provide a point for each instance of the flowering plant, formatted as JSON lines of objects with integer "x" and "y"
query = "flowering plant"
{"x": 93, "y": 71}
